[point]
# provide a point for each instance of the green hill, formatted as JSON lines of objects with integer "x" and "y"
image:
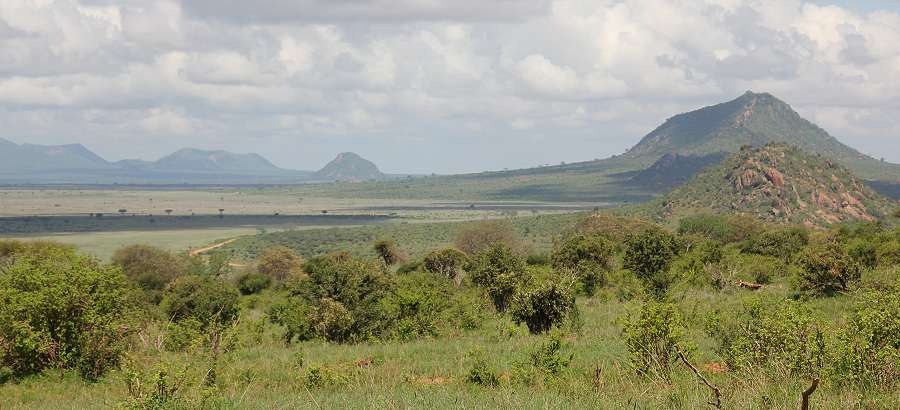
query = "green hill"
{"x": 753, "y": 119}
{"x": 777, "y": 183}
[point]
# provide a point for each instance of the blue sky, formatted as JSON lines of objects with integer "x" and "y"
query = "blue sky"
{"x": 432, "y": 86}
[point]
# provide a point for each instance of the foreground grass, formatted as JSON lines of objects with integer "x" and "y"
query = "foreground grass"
{"x": 258, "y": 370}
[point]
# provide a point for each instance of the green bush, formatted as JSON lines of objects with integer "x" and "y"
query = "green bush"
{"x": 253, "y": 283}
{"x": 415, "y": 306}
{"x": 543, "y": 307}
{"x": 780, "y": 336}
{"x": 825, "y": 269}
{"x": 480, "y": 373}
{"x": 720, "y": 228}
{"x": 545, "y": 362}
{"x": 589, "y": 256}
{"x": 340, "y": 299}
{"x": 500, "y": 272}
{"x": 150, "y": 267}
{"x": 888, "y": 254}
{"x": 59, "y": 309}
{"x": 781, "y": 243}
{"x": 867, "y": 351}
{"x": 864, "y": 252}
{"x": 448, "y": 262}
{"x": 649, "y": 255}
{"x": 202, "y": 298}
{"x": 654, "y": 337}
{"x": 182, "y": 335}
{"x": 537, "y": 259}
{"x": 699, "y": 265}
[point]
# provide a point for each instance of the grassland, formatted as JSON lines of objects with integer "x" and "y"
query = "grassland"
{"x": 260, "y": 371}
{"x": 536, "y": 232}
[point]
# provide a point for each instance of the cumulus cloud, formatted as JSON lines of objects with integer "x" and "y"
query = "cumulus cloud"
{"x": 451, "y": 84}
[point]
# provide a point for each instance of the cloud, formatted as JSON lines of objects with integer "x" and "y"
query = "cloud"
{"x": 300, "y": 80}
{"x": 281, "y": 11}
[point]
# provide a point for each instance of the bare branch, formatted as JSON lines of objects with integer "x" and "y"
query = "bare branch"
{"x": 808, "y": 392}
{"x": 717, "y": 394}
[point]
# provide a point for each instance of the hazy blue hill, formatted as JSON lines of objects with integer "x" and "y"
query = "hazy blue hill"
{"x": 777, "y": 183}
{"x": 348, "y": 166}
{"x": 752, "y": 119}
{"x": 48, "y": 158}
{"x": 190, "y": 159}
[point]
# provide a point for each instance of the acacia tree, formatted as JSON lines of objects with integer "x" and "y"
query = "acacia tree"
{"x": 279, "y": 263}
{"x": 389, "y": 252}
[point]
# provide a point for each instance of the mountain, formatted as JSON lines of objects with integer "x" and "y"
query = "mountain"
{"x": 777, "y": 183}
{"x": 348, "y": 166}
{"x": 73, "y": 163}
{"x": 673, "y": 169}
{"x": 35, "y": 158}
{"x": 195, "y": 160}
{"x": 752, "y": 119}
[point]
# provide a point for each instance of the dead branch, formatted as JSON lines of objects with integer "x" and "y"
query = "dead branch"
{"x": 749, "y": 285}
{"x": 808, "y": 392}
{"x": 717, "y": 394}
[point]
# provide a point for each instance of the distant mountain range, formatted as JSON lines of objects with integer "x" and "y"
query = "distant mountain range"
{"x": 666, "y": 157}
{"x": 31, "y": 163}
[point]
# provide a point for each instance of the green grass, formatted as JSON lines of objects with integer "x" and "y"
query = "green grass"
{"x": 262, "y": 372}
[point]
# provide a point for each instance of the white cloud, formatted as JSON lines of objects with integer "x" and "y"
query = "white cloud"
{"x": 595, "y": 75}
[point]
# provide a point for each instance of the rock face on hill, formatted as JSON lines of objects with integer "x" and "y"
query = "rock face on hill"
{"x": 348, "y": 166}
{"x": 778, "y": 183}
{"x": 752, "y": 119}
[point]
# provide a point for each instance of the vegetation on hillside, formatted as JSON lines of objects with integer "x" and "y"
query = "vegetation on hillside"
{"x": 757, "y": 310}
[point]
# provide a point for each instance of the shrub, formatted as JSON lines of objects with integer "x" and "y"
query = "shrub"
{"x": 252, "y": 283}
{"x": 546, "y": 361}
{"x": 543, "y": 307}
{"x": 480, "y": 373}
{"x": 499, "y": 271}
{"x": 279, "y": 263}
{"x": 654, "y": 337}
{"x": 537, "y": 259}
{"x": 588, "y": 256}
{"x": 864, "y": 252}
{"x": 410, "y": 266}
{"x": 888, "y": 254}
{"x": 317, "y": 376}
{"x": 340, "y": 299}
{"x": 698, "y": 266}
{"x": 415, "y": 306}
{"x": 447, "y": 262}
{"x": 825, "y": 269}
{"x": 721, "y": 228}
{"x": 59, "y": 309}
{"x": 478, "y": 237}
{"x": 780, "y": 243}
{"x": 150, "y": 267}
{"x": 649, "y": 255}
{"x": 202, "y": 298}
{"x": 781, "y": 336}
{"x": 388, "y": 252}
{"x": 867, "y": 351}
{"x": 616, "y": 228}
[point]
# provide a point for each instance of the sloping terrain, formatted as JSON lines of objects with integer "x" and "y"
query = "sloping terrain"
{"x": 777, "y": 183}
{"x": 348, "y": 166}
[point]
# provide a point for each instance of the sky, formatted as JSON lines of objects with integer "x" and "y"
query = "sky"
{"x": 422, "y": 86}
